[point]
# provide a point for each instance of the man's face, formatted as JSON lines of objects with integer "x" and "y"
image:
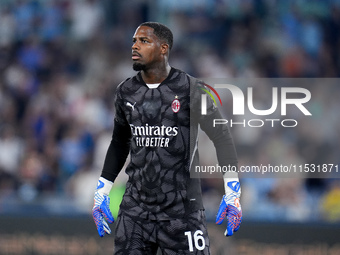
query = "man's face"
{"x": 146, "y": 49}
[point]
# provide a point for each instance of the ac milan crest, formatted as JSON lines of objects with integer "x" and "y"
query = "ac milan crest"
{"x": 176, "y": 105}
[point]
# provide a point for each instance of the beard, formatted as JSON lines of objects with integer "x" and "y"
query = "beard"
{"x": 138, "y": 67}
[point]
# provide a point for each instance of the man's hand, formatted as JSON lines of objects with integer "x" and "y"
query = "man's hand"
{"x": 230, "y": 206}
{"x": 101, "y": 208}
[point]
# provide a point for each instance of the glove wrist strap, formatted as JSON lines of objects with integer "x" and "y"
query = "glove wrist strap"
{"x": 232, "y": 185}
{"x": 104, "y": 186}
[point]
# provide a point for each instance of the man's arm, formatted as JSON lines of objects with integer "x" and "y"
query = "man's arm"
{"x": 230, "y": 206}
{"x": 114, "y": 161}
{"x": 219, "y": 135}
{"x": 117, "y": 152}
{"x": 221, "y": 138}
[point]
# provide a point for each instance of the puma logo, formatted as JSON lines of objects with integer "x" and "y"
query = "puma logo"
{"x": 131, "y": 105}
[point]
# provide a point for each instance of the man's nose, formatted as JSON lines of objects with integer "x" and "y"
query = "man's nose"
{"x": 135, "y": 46}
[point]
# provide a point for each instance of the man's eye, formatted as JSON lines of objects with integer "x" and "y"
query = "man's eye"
{"x": 144, "y": 41}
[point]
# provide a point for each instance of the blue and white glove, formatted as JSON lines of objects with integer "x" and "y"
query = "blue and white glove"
{"x": 230, "y": 206}
{"x": 101, "y": 208}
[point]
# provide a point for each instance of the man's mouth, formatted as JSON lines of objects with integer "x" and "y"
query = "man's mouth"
{"x": 135, "y": 55}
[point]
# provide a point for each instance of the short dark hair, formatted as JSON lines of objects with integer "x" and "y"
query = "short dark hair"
{"x": 161, "y": 31}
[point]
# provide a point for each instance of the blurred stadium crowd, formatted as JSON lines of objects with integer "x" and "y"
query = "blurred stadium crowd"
{"x": 60, "y": 61}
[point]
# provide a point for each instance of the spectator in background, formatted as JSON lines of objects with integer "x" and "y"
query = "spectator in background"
{"x": 86, "y": 19}
{"x": 52, "y": 22}
{"x": 72, "y": 153}
{"x": 11, "y": 151}
{"x": 7, "y": 27}
{"x": 330, "y": 205}
{"x": 30, "y": 55}
{"x": 25, "y": 17}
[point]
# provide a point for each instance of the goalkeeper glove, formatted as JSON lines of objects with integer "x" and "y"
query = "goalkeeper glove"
{"x": 230, "y": 206}
{"x": 101, "y": 208}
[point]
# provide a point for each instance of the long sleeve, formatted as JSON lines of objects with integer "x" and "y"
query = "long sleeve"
{"x": 117, "y": 152}
{"x": 219, "y": 134}
{"x": 222, "y": 139}
{"x": 119, "y": 147}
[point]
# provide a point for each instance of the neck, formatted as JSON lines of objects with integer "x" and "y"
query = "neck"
{"x": 156, "y": 75}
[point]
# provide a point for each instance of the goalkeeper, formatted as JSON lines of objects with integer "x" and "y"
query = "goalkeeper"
{"x": 157, "y": 114}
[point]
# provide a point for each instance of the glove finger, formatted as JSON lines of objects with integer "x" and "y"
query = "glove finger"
{"x": 105, "y": 208}
{"x": 238, "y": 223}
{"x": 222, "y": 212}
{"x": 231, "y": 225}
{"x": 229, "y": 231}
{"x": 98, "y": 220}
{"x": 106, "y": 228}
{"x": 234, "y": 223}
{"x": 108, "y": 215}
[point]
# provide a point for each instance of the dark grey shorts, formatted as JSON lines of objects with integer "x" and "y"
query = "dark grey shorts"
{"x": 187, "y": 235}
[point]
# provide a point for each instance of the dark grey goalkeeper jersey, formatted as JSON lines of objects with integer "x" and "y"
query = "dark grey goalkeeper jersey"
{"x": 159, "y": 128}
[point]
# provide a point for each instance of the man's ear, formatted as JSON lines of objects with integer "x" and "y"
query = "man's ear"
{"x": 164, "y": 48}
